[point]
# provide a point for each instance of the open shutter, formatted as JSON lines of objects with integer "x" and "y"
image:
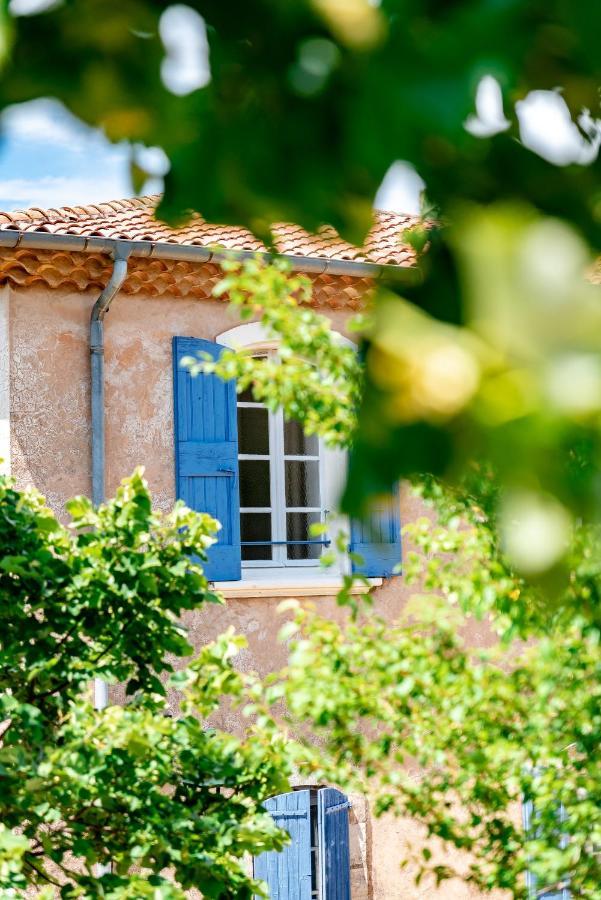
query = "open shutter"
{"x": 534, "y": 892}
{"x": 334, "y": 854}
{"x": 377, "y": 539}
{"x": 206, "y": 453}
{"x": 288, "y": 874}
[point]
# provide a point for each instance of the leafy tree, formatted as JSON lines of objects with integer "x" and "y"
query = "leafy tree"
{"x": 312, "y": 375}
{"x": 455, "y": 737}
{"x": 169, "y": 803}
{"x": 297, "y": 111}
{"x": 490, "y": 353}
{"x": 442, "y": 733}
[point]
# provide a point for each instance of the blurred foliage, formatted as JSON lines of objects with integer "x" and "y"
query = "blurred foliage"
{"x": 296, "y": 111}
{"x": 517, "y": 382}
{"x": 437, "y": 719}
{"x": 128, "y": 786}
{"x": 516, "y": 389}
{"x": 490, "y": 354}
{"x": 484, "y": 693}
{"x": 313, "y": 374}
{"x": 309, "y": 103}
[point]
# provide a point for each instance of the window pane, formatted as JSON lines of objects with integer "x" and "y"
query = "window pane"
{"x": 247, "y": 395}
{"x": 254, "y": 482}
{"x": 297, "y": 529}
{"x": 297, "y": 443}
{"x": 253, "y": 430}
{"x": 256, "y": 527}
{"x": 302, "y": 483}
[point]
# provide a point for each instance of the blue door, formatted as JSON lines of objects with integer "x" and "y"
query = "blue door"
{"x": 288, "y": 874}
{"x": 316, "y": 863}
{"x": 334, "y": 852}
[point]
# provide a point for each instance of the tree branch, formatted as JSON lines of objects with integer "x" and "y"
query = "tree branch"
{"x": 41, "y": 872}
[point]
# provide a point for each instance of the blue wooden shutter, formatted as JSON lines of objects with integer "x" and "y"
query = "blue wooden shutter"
{"x": 288, "y": 874}
{"x": 534, "y": 892}
{"x": 334, "y": 853}
{"x": 377, "y": 539}
{"x": 206, "y": 453}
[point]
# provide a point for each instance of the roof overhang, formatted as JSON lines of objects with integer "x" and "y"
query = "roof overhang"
{"x": 13, "y": 239}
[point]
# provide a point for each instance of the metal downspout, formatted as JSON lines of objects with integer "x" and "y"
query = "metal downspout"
{"x": 99, "y": 311}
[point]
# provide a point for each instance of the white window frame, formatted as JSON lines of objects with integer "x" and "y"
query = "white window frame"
{"x": 251, "y": 336}
{"x": 278, "y": 510}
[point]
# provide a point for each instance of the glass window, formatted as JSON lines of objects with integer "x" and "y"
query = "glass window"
{"x": 302, "y": 483}
{"x": 255, "y": 534}
{"x": 254, "y": 483}
{"x": 280, "y": 488}
{"x": 296, "y": 442}
{"x": 297, "y": 530}
{"x": 253, "y": 430}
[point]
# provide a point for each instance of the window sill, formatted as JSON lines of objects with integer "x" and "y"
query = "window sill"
{"x": 296, "y": 585}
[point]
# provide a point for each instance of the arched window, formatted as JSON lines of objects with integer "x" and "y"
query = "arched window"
{"x": 288, "y": 481}
{"x": 265, "y": 480}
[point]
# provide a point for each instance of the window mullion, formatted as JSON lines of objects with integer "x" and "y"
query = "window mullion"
{"x": 278, "y": 503}
{"x": 323, "y": 484}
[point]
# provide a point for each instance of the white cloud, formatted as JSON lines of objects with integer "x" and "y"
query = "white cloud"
{"x": 490, "y": 118}
{"x": 547, "y": 128}
{"x": 400, "y": 190}
{"x": 186, "y": 66}
{"x": 53, "y": 191}
{"x": 153, "y": 186}
{"x": 45, "y": 121}
{"x": 48, "y": 157}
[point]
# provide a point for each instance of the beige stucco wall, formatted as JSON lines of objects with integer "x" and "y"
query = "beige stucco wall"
{"x": 50, "y": 447}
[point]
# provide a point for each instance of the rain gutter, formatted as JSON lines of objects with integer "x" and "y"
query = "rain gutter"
{"x": 11, "y": 239}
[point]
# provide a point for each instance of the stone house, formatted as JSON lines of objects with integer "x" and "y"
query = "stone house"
{"x": 86, "y": 394}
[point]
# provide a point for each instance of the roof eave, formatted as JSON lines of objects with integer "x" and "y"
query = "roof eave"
{"x": 12, "y": 239}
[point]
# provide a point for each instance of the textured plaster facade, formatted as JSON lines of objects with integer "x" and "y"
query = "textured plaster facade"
{"x": 45, "y": 360}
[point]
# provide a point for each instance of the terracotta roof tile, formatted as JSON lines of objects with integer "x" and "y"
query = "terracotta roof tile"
{"x": 74, "y": 271}
{"x": 133, "y": 219}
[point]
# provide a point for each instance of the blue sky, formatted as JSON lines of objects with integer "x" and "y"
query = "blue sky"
{"x": 49, "y": 158}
